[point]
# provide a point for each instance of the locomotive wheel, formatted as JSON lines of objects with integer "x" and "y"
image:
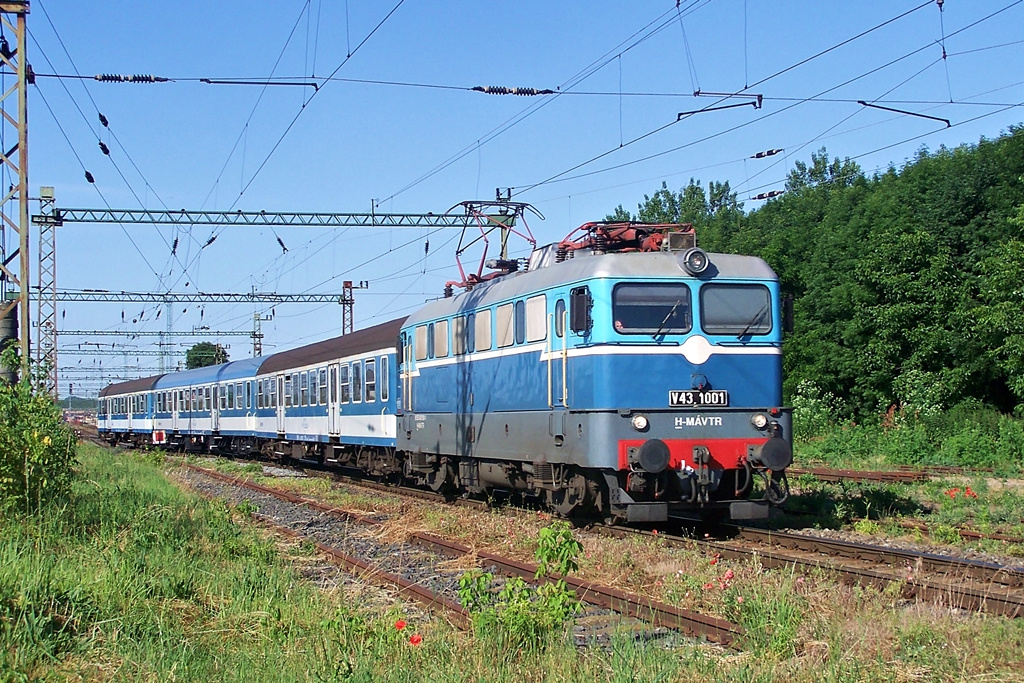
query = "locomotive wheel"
{"x": 571, "y": 499}
{"x": 442, "y": 480}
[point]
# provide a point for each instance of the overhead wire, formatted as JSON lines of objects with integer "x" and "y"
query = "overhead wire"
{"x": 557, "y": 178}
{"x": 645, "y": 33}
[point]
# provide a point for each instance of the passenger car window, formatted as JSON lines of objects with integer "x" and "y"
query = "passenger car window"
{"x": 357, "y": 381}
{"x": 346, "y": 387}
{"x": 383, "y": 378}
{"x": 371, "y": 380}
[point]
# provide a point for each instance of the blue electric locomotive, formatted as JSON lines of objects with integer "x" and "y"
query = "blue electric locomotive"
{"x": 625, "y": 372}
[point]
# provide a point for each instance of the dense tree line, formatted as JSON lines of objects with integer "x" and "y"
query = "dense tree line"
{"x": 908, "y": 285}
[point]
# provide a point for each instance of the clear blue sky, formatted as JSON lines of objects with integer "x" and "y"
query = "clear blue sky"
{"x": 624, "y": 70}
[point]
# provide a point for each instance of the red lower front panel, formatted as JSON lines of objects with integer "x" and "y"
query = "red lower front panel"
{"x": 725, "y": 453}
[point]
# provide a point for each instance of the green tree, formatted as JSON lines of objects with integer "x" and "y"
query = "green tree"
{"x": 204, "y": 354}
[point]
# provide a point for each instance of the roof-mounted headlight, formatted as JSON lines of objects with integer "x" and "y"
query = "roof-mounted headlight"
{"x": 695, "y": 261}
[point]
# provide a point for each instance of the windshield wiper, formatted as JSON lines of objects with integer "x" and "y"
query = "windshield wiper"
{"x": 670, "y": 314}
{"x": 757, "y": 319}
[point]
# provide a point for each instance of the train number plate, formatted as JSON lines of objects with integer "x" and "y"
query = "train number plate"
{"x": 686, "y": 399}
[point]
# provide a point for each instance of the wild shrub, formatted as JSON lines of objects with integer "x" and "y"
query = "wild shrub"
{"x": 37, "y": 450}
{"x": 519, "y": 614}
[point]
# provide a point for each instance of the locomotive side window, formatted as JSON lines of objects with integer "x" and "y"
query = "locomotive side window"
{"x": 239, "y": 396}
{"x": 458, "y": 335}
{"x": 383, "y": 378}
{"x": 470, "y": 333}
{"x": 248, "y": 395}
{"x": 420, "y": 343}
{"x": 440, "y": 339}
{"x": 259, "y": 394}
{"x": 482, "y": 330}
{"x": 346, "y": 387}
{"x": 357, "y": 381}
{"x": 273, "y": 392}
{"x": 536, "y": 318}
{"x": 224, "y": 397}
{"x": 208, "y": 392}
{"x": 651, "y": 308}
{"x": 735, "y": 309}
{"x": 504, "y": 327}
{"x": 371, "y": 380}
{"x": 323, "y": 386}
{"x": 314, "y": 387}
{"x": 520, "y": 322}
{"x": 287, "y": 390}
{"x": 303, "y": 389}
{"x": 560, "y": 318}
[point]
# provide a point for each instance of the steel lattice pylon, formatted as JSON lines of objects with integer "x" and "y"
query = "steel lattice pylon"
{"x": 15, "y": 158}
{"x": 46, "y": 332}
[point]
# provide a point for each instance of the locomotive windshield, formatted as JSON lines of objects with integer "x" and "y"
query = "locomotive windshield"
{"x": 735, "y": 309}
{"x": 652, "y": 308}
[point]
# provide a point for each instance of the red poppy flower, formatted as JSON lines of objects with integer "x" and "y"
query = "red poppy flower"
{"x": 728, "y": 575}
{"x": 400, "y": 624}
{"x": 969, "y": 493}
{"x": 714, "y": 560}
{"x": 709, "y": 586}
{"x": 415, "y": 639}
{"x": 952, "y": 492}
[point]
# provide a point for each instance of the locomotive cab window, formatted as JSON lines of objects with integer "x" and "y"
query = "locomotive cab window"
{"x": 738, "y": 310}
{"x": 651, "y": 308}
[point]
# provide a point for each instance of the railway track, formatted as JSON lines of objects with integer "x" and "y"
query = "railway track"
{"x": 902, "y": 473}
{"x": 954, "y": 582}
{"x": 602, "y": 602}
{"x": 958, "y": 583}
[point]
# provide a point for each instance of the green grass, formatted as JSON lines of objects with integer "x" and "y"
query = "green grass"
{"x": 134, "y": 579}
